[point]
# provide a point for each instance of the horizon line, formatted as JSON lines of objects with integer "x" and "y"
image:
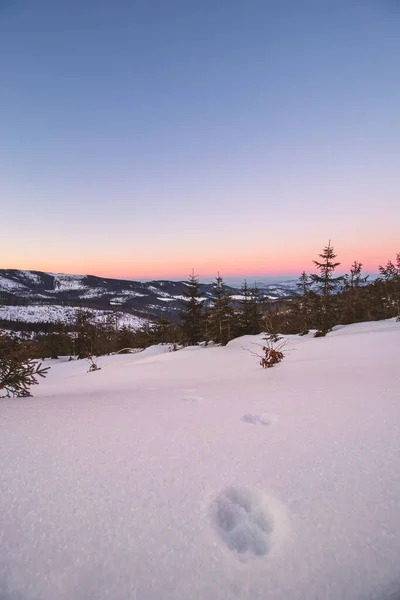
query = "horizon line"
{"x": 253, "y": 277}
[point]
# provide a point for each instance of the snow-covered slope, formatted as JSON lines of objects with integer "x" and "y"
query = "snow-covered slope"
{"x": 198, "y": 475}
{"x": 146, "y": 300}
{"x": 53, "y": 313}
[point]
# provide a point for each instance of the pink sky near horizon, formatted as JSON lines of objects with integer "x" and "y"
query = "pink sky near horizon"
{"x": 171, "y": 266}
{"x": 132, "y": 148}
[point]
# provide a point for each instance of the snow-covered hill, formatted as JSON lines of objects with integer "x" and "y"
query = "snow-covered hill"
{"x": 47, "y": 293}
{"x": 197, "y": 474}
{"x": 53, "y": 313}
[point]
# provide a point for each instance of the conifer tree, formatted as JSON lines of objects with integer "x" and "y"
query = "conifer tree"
{"x": 327, "y": 285}
{"x": 54, "y": 344}
{"x": 390, "y": 277}
{"x": 164, "y": 332}
{"x": 18, "y": 372}
{"x": 303, "y": 304}
{"x": 106, "y": 335}
{"x": 352, "y": 298}
{"x": 256, "y": 310}
{"x": 84, "y": 334}
{"x": 245, "y": 311}
{"x": 221, "y": 314}
{"x": 191, "y": 315}
{"x": 125, "y": 339}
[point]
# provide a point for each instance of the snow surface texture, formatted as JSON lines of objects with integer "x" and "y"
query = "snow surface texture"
{"x": 198, "y": 475}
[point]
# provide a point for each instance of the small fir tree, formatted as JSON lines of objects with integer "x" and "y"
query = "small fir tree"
{"x": 18, "y": 372}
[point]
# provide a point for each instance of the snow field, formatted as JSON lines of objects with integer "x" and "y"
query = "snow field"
{"x": 197, "y": 474}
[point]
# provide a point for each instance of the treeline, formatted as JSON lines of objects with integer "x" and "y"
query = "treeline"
{"x": 322, "y": 301}
{"x": 325, "y": 300}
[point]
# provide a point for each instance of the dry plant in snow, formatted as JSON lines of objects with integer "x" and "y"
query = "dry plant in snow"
{"x": 273, "y": 350}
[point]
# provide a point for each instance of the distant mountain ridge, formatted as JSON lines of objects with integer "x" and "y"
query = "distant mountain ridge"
{"x": 146, "y": 300}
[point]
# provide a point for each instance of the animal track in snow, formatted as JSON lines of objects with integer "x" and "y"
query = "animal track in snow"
{"x": 262, "y": 419}
{"x": 243, "y": 520}
{"x": 190, "y": 398}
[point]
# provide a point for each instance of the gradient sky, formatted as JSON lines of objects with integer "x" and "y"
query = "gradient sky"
{"x": 141, "y": 138}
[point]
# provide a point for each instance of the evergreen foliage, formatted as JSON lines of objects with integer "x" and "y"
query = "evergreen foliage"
{"x": 221, "y": 315}
{"x": 245, "y": 309}
{"x": 192, "y": 313}
{"x": 326, "y": 285}
{"x": 304, "y": 302}
{"x": 250, "y": 311}
{"x": 355, "y": 300}
{"x": 18, "y": 372}
{"x": 390, "y": 281}
{"x": 353, "y": 306}
{"x": 164, "y": 332}
{"x": 321, "y": 302}
{"x": 84, "y": 334}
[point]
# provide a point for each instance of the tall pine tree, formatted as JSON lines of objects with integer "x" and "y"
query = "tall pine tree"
{"x": 327, "y": 285}
{"x": 250, "y": 314}
{"x": 245, "y": 310}
{"x": 256, "y": 310}
{"x": 303, "y": 303}
{"x": 353, "y": 299}
{"x": 221, "y": 314}
{"x": 191, "y": 315}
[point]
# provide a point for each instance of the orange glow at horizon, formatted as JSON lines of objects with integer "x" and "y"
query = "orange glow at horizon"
{"x": 245, "y": 267}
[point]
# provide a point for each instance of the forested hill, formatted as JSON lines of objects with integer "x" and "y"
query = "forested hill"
{"x": 148, "y": 300}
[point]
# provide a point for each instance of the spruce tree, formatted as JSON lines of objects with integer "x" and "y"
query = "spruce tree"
{"x": 164, "y": 332}
{"x": 352, "y": 299}
{"x": 106, "y": 335}
{"x": 245, "y": 310}
{"x": 191, "y": 315}
{"x": 326, "y": 285}
{"x": 302, "y": 304}
{"x": 390, "y": 277}
{"x": 256, "y": 310}
{"x": 125, "y": 339}
{"x": 18, "y": 371}
{"x": 221, "y": 314}
{"x": 84, "y": 334}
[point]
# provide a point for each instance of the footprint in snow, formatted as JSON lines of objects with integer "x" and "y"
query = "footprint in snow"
{"x": 262, "y": 419}
{"x": 244, "y": 521}
{"x": 190, "y": 398}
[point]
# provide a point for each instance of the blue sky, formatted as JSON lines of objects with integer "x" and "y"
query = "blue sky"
{"x": 145, "y": 138}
